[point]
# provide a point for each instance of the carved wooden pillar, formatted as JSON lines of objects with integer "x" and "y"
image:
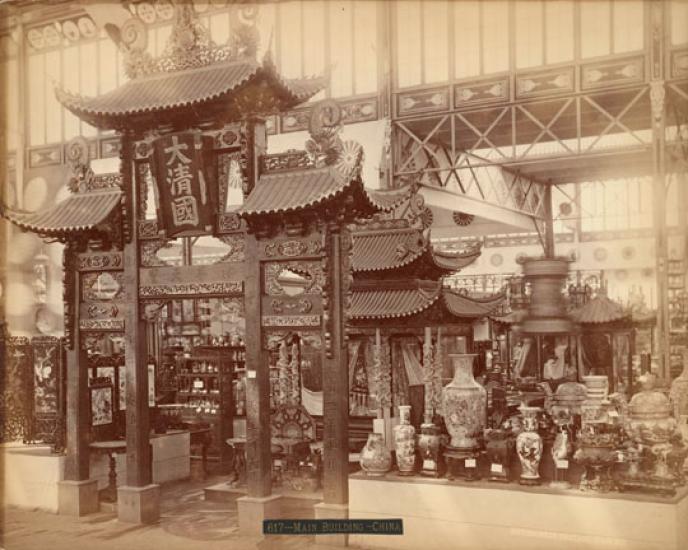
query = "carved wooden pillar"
{"x": 258, "y": 457}
{"x": 139, "y": 499}
{"x": 77, "y": 495}
{"x": 335, "y": 372}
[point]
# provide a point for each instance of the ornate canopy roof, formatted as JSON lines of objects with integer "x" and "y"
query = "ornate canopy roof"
{"x": 192, "y": 79}
{"x": 406, "y": 299}
{"x": 378, "y": 250}
{"x": 600, "y": 310}
{"x": 83, "y": 210}
{"x": 160, "y": 95}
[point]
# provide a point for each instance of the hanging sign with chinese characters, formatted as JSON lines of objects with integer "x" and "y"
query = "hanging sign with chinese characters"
{"x": 182, "y": 165}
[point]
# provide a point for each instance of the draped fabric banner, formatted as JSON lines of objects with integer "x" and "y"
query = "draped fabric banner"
{"x": 312, "y": 401}
{"x": 414, "y": 370}
{"x": 186, "y": 183}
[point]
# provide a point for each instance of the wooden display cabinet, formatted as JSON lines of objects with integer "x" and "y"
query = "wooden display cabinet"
{"x": 206, "y": 389}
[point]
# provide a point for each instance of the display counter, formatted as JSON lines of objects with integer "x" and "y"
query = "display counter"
{"x": 35, "y": 471}
{"x": 453, "y": 515}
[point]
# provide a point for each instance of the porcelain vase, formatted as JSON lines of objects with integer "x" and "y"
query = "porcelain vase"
{"x": 464, "y": 405}
{"x": 376, "y": 459}
{"x": 429, "y": 442}
{"x": 529, "y": 446}
{"x": 404, "y": 442}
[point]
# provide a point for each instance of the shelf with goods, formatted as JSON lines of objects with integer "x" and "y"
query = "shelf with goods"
{"x": 207, "y": 392}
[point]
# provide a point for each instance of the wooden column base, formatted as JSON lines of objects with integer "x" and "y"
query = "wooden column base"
{"x": 138, "y": 504}
{"x": 253, "y": 510}
{"x": 77, "y": 498}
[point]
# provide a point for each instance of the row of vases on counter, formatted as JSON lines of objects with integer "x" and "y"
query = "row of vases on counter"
{"x": 464, "y": 408}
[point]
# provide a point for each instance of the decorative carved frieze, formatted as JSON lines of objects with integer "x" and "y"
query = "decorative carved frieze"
{"x": 293, "y": 248}
{"x": 101, "y": 324}
{"x": 289, "y": 160}
{"x": 290, "y": 320}
{"x": 352, "y": 111}
{"x": 102, "y": 311}
{"x": 484, "y": 91}
{"x": 545, "y": 83}
{"x": 301, "y": 306}
{"x": 422, "y": 101}
{"x": 100, "y": 261}
{"x": 228, "y": 222}
{"x": 191, "y": 289}
{"x": 148, "y": 229}
{"x": 613, "y": 72}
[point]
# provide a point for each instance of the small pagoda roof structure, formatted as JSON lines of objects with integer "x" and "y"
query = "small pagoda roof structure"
{"x": 88, "y": 208}
{"x": 193, "y": 80}
{"x": 424, "y": 300}
{"x": 376, "y": 251}
{"x": 601, "y": 310}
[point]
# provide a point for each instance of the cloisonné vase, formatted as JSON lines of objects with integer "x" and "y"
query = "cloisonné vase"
{"x": 404, "y": 442}
{"x": 376, "y": 459}
{"x": 529, "y": 446}
{"x": 464, "y": 405}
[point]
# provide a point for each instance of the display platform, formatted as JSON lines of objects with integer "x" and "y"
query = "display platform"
{"x": 453, "y": 515}
{"x": 35, "y": 472}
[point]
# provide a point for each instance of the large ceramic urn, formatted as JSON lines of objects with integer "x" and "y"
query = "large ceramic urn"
{"x": 650, "y": 415}
{"x": 464, "y": 405}
{"x": 404, "y": 442}
{"x": 375, "y": 458}
{"x": 529, "y": 446}
{"x": 596, "y": 406}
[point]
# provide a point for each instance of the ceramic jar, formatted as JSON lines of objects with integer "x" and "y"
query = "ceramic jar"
{"x": 429, "y": 442}
{"x": 650, "y": 415}
{"x": 404, "y": 442}
{"x": 464, "y": 405}
{"x": 376, "y": 459}
{"x": 529, "y": 446}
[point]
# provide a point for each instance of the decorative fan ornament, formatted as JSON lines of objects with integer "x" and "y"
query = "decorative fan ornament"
{"x": 462, "y": 219}
{"x": 350, "y": 159}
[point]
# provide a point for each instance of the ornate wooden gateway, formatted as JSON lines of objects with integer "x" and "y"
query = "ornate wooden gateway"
{"x": 190, "y": 122}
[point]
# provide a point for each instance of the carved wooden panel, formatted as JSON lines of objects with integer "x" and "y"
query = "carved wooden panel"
{"x": 100, "y": 261}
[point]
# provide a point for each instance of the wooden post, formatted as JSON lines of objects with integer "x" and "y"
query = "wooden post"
{"x": 258, "y": 457}
{"x": 139, "y": 499}
{"x": 336, "y": 393}
{"x": 335, "y": 503}
{"x": 77, "y": 494}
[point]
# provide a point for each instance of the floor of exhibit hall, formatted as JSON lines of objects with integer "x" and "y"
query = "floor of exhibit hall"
{"x": 187, "y": 522}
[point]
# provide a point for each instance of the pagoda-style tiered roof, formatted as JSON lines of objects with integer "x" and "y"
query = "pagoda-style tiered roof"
{"x": 86, "y": 209}
{"x": 406, "y": 250}
{"x": 192, "y": 81}
{"x": 600, "y": 310}
{"x": 401, "y": 300}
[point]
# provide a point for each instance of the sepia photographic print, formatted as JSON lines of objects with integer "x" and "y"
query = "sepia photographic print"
{"x": 284, "y": 274}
